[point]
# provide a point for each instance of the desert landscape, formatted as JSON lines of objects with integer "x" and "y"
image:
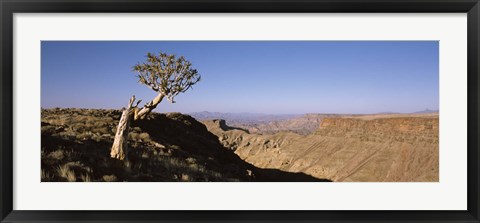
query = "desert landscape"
{"x": 239, "y": 111}
{"x": 176, "y": 147}
{"x": 371, "y": 148}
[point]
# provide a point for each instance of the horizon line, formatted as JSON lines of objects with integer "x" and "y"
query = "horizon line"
{"x": 259, "y": 113}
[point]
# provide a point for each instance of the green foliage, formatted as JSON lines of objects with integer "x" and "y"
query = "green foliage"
{"x": 167, "y": 74}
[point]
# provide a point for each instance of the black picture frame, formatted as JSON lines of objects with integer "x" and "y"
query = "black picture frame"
{"x": 9, "y": 7}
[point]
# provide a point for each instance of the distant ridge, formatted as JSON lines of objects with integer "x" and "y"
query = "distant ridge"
{"x": 243, "y": 117}
{"x": 246, "y": 117}
{"x": 386, "y": 113}
{"x": 426, "y": 111}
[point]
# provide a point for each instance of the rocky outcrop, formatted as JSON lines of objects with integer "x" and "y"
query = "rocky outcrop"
{"x": 234, "y": 138}
{"x": 403, "y": 129}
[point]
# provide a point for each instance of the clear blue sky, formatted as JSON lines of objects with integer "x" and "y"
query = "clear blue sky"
{"x": 276, "y": 77}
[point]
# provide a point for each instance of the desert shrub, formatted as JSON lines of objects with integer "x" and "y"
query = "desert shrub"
{"x": 97, "y": 138}
{"x": 84, "y": 136}
{"x": 110, "y": 178}
{"x": 78, "y": 127}
{"x": 48, "y": 129}
{"x": 57, "y": 121}
{"x": 68, "y": 136}
{"x": 56, "y": 155}
{"x": 139, "y": 136}
{"x": 185, "y": 177}
{"x": 89, "y": 125}
{"x": 132, "y": 136}
{"x": 101, "y": 130}
{"x": 191, "y": 160}
{"x": 172, "y": 163}
{"x": 144, "y": 136}
{"x": 194, "y": 166}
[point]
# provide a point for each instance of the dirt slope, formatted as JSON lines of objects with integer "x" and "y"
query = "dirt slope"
{"x": 357, "y": 148}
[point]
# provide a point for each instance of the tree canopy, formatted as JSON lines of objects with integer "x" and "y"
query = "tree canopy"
{"x": 167, "y": 74}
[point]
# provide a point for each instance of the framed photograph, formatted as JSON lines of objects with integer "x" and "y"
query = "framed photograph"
{"x": 239, "y": 111}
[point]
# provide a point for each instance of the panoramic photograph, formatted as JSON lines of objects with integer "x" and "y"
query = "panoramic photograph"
{"x": 239, "y": 111}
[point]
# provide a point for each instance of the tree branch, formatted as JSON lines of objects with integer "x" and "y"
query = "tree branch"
{"x": 148, "y": 107}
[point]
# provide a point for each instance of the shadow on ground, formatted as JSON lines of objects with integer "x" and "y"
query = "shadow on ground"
{"x": 275, "y": 175}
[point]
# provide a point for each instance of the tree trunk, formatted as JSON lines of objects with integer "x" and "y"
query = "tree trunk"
{"x": 120, "y": 147}
{"x": 147, "y": 108}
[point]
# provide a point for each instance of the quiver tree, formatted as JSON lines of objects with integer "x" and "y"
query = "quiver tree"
{"x": 164, "y": 74}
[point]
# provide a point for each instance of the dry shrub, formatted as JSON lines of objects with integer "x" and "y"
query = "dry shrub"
{"x": 185, "y": 177}
{"x": 56, "y": 155}
{"x": 49, "y": 129}
{"x": 57, "y": 121}
{"x": 110, "y": 178}
{"x": 191, "y": 160}
{"x": 139, "y": 136}
{"x": 97, "y": 138}
{"x": 101, "y": 130}
{"x": 84, "y": 136}
{"x": 69, "y": 136}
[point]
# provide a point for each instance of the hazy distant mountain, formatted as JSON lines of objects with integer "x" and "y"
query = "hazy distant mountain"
{"x": 269, "y": 124}
{"x": 241, "y": 117}
{"x": 304, "y": 124}
{"x": 266, "y": 123}
{"x": 386, "y": 113}
{"x": 426, "y": 111}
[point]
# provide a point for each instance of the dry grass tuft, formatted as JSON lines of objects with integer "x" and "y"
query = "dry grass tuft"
{"x": 86, "y": 177}
{"x": 46, "y": 176}
{"x": 65, "y": 172}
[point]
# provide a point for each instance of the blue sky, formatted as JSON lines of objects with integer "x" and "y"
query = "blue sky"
{"x": 275, "y": 77}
